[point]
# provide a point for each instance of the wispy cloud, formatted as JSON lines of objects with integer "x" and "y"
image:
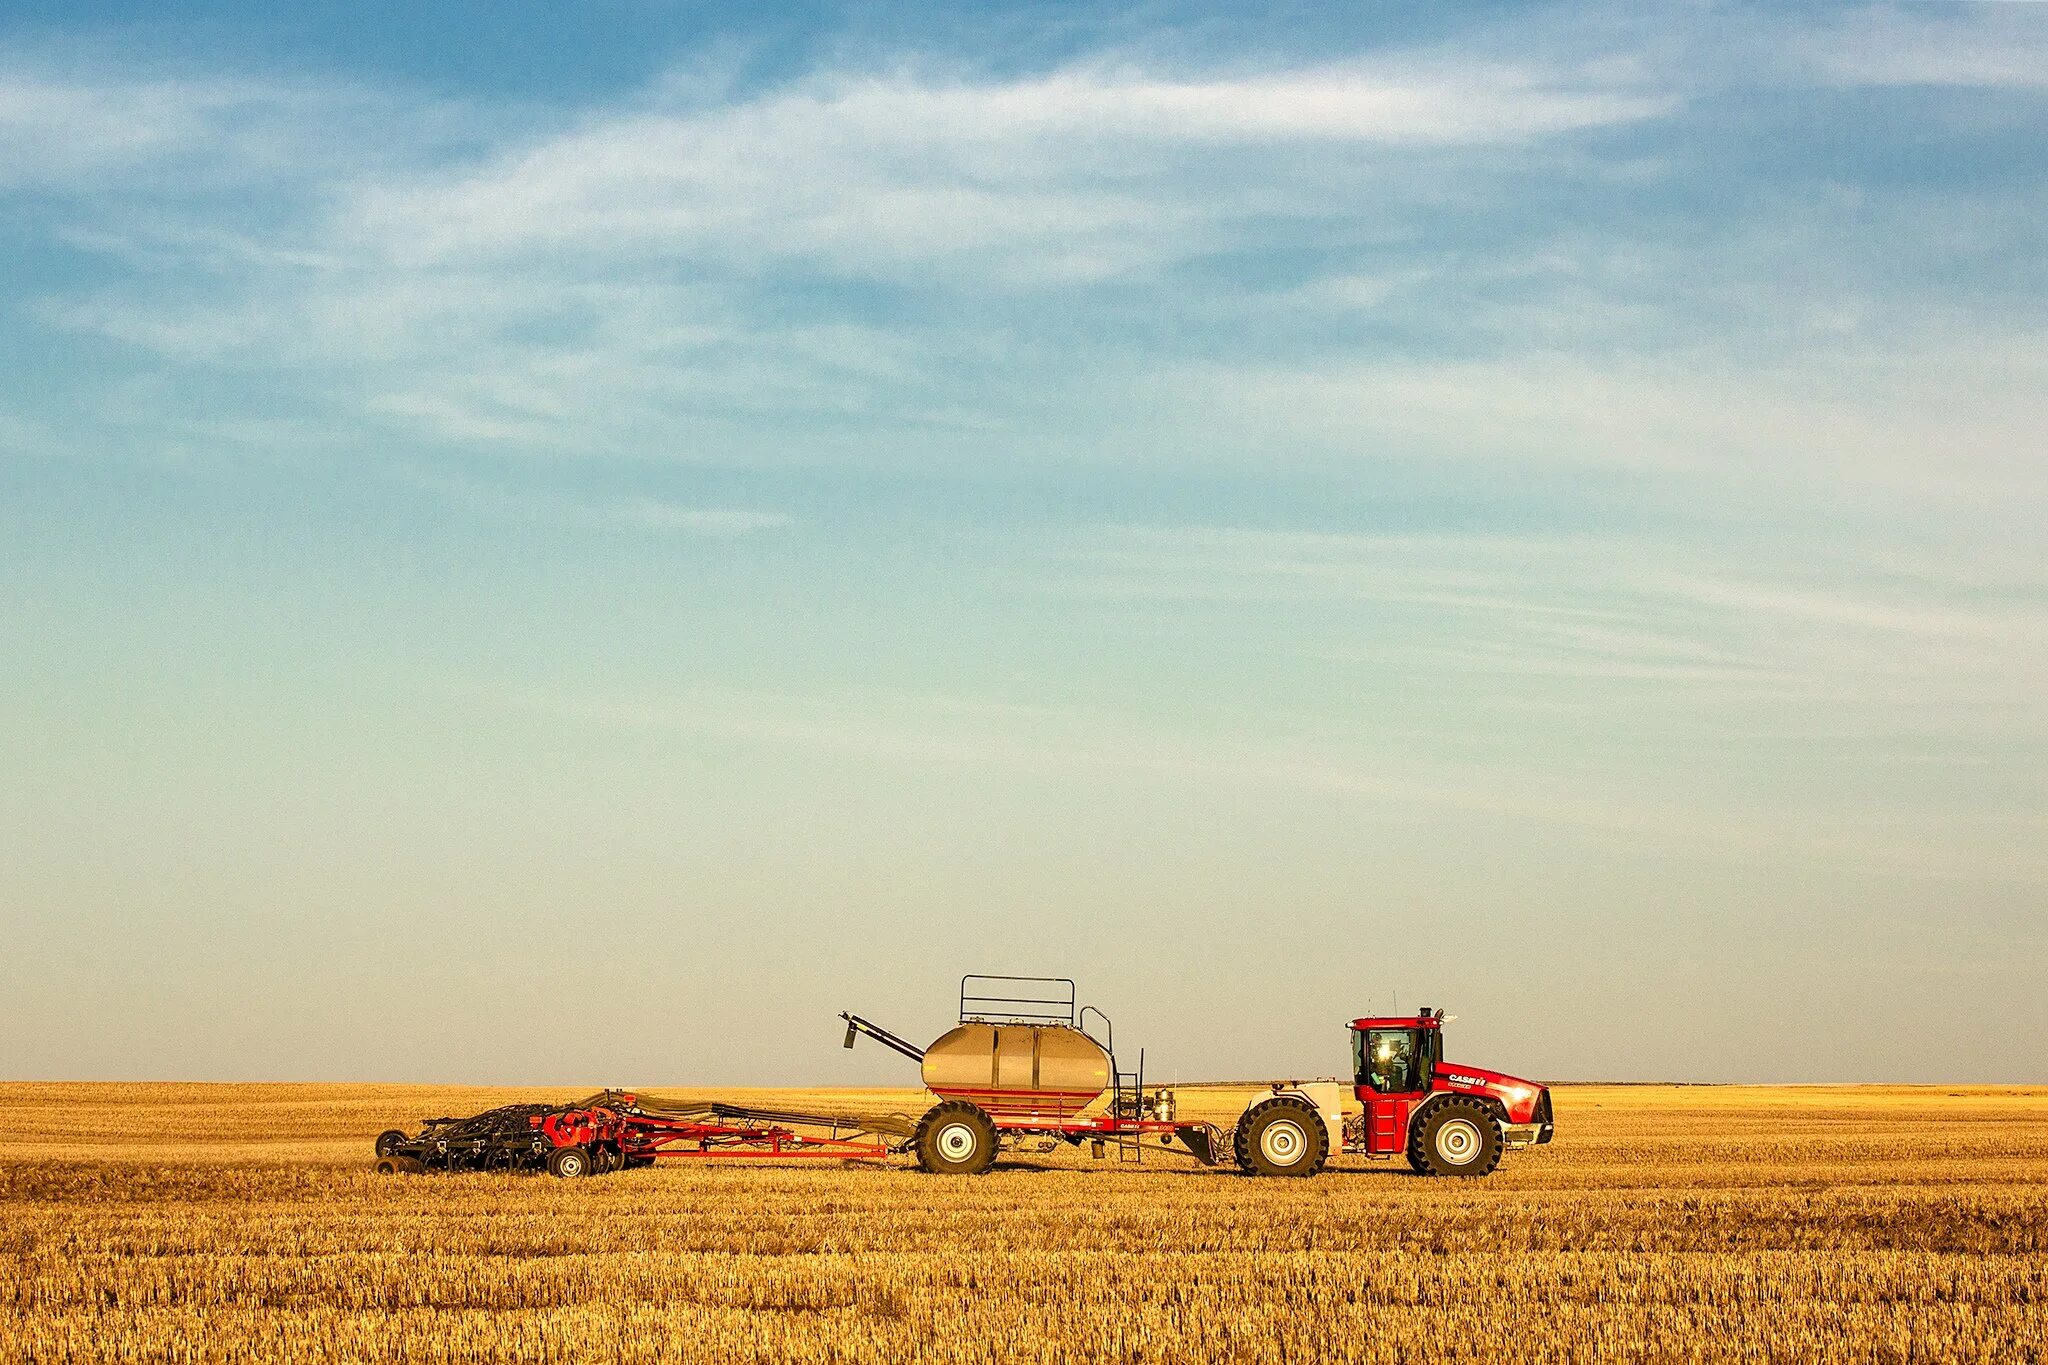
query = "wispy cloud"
{"x": 1070, "y": 174}
{"x": 1399, "y": 257}
{"x": 632, "y": 511}
{"x": 1084, "y": 745}
{"x": 668, "y": 516}
{"x": 53, "y": 130}
{"x": 1801, "y": 635}
{"x": 1968, "y": 46}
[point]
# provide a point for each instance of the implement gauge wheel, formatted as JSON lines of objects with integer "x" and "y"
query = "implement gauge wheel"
{"x": 1454, "y": 1137}
{"x": 1282, "y": 1136}
{"x": 388, "y": 1141}
{"x": 955, "y": 1138}
{"x": 569, "y": 1162}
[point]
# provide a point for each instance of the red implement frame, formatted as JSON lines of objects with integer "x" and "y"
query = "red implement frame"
{"x": 700, "y": 1138}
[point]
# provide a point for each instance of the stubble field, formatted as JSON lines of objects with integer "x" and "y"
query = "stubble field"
{"x": 242, "y": 1223}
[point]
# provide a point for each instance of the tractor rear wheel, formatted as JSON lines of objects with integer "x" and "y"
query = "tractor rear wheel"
{"x": 1282, "y": 1136}
{"x": 569, "y": 1162}
{"x": 388, "y": 1141}
{"x": 955, "y": 1138}
{"x": 1454, "y": 1137}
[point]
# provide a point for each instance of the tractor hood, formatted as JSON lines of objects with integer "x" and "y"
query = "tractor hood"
{"x": 1521, "y": 1098}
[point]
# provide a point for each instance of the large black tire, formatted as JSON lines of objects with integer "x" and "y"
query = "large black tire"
{"x": 1454, "y": 1137}
{"x": 389, "y": 1141}
{"x": 1281, "y": 1136}
{"x": 570, "y": 1162}
{"x": 955, "y": 1138}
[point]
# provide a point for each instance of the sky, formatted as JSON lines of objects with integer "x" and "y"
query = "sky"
{"x": 571, "y": 546}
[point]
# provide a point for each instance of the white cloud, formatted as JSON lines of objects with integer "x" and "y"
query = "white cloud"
{"x": 1814, "y": 636}
{"x": 660, "y": 276}
{"x": 905, "y": 172}
{"x": 1985, "y": 46}
{"x": 1078, "y": 744}
{"x": 103, "y": 133}
{"x": 53, "y": 130}
{"x": 712, "y": 521}
{"x": 1876, "y": 428}
{"x": 642, "y": 511}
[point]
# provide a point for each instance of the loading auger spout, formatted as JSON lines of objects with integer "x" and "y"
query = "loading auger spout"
{"x": 857, "y": 1025}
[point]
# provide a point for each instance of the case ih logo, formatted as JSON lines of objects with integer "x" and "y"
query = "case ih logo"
{"x": 1456, "y": 1079}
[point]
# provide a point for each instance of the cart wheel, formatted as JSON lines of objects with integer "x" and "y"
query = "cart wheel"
{"x": 389, "y": 1141}
{"x": 955, "y": 1138}
{"x": 568, "y": 1162}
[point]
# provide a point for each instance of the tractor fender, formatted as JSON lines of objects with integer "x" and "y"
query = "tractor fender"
{"x": 1491, "y": 1103}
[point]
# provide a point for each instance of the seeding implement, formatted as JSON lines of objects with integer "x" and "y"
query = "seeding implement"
{"x": 616, "y": 1129}
{"x": 1024, "y": 1067}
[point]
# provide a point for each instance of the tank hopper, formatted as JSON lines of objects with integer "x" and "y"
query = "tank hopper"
{"x": 1022, "y": 1063}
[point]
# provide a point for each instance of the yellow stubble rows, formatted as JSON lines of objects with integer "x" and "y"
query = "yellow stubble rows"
{"x": 241, "y": 1223}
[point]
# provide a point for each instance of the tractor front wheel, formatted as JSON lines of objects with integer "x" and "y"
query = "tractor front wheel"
{"x": 569, "y": 1162}
{"x": 1454, "y": 1137}
{"x": 955, "y": 1138}
{"x": 1283, "y": 1136}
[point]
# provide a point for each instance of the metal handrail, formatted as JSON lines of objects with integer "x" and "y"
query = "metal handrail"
{"x": 983, "y": 1005}
{"x": 1108, "y": 1038}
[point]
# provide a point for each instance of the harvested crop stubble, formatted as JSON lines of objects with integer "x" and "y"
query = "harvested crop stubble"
{"x": 1816, "y": 1223}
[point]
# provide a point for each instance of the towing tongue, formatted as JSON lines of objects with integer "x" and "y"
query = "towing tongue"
{"x": 1200, "y": 1139}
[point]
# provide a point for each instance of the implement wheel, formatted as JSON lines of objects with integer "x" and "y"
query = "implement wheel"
{"x": 955, "y": 1138}
{"x": 1454, "y": 1137}
{"x": 569, "y": 1162}
{"x": 389, "y": 1141}
{"x": 1282, "y": 1136}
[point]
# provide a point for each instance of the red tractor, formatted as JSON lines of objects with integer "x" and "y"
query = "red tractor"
{"x": 1447, "y": 1119}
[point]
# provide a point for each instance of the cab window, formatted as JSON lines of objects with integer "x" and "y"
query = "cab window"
{"x": 1387, "y": 1060}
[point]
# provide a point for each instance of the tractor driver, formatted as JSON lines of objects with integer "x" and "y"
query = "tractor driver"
{"x": 1393, "y": 1061}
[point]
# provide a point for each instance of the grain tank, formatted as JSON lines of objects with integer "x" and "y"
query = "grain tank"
{"x": 1011, "y": 1069}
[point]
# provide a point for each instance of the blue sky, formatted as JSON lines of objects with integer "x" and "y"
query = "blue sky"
{"x": 1535, "y": 508}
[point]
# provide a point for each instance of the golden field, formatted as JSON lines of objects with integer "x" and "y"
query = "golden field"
{"x": 242, "y": 1223}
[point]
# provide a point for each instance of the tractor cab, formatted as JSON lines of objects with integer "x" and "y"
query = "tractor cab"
{"x": 1396, "y": 1056}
